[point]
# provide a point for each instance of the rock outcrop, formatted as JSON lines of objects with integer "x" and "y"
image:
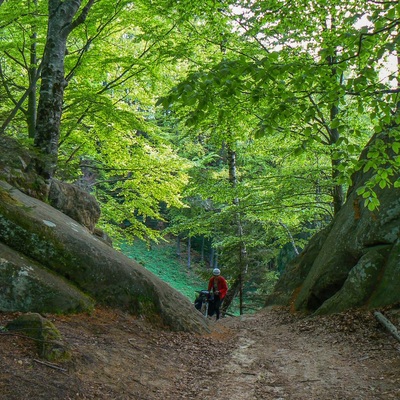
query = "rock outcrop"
{"x": 50, "y": 262}
{"x": 74, "y": 202}
{"x": 27, "y": 286}
{"x": 353, "y": 263}
{"x": 59, "y": 244}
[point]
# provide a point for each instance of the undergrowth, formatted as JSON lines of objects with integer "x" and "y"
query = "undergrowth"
{"x": 161, "y": 260}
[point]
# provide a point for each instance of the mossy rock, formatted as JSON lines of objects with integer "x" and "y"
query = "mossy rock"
{"x": 57, "y": 243}
{"x": 50, "y": 344}
{"x": 26, "y": 287}
{"x": 17, "y": 166}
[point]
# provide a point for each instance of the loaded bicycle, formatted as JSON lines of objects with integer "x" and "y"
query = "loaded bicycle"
{"x": 204, "y": 302}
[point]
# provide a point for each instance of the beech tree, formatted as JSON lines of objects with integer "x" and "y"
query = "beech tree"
{"x": 297, "y": 85}
{"x": 62, "y": 20}
{"x": 293, "y": 91}
{"x": 97, "y": 76}
{"x": 306, "y": 75}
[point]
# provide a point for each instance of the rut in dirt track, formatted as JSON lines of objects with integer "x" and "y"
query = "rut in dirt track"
{"x": 274, "y": 355}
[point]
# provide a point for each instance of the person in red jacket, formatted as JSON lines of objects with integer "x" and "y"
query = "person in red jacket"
{"x": 217, "y": 284}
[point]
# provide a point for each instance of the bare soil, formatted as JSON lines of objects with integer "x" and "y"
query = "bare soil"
{"x": 270, "y": 355}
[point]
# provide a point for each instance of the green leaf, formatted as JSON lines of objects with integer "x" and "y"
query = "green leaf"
{"x": 366, "y": 195}
{"x": 391, "y": 14}
{"x": 396, "y": 147}
{"x": 307, "y": 131}
{"x": 335, "y": 123}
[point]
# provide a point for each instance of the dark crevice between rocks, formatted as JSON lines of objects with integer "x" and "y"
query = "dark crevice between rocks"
{"x": 320, "y": 295}
{"x": 378, "y": 245}
{"x": 316, "y": 300}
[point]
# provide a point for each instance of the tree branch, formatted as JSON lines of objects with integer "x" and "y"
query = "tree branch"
{"x": 82, "y": 16}
{"x": 290, "y": 237}
{"x": 118, "y": 80}
{"x": 18, "y": 105}
{"x": 89, "y": 41}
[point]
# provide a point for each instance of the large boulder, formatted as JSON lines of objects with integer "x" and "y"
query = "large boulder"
{"x": 74, "y": 202}
{"x": 27, "y": 286}
{"x": 17, "y": 167}
{"x": 352, "y": 263}
{"x": 58, "y": 243}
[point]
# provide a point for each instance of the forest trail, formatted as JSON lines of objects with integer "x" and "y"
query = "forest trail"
{"x": 271, "y": 355}
{"x": 339, "y": 357}
{"x": 277, "y": 356}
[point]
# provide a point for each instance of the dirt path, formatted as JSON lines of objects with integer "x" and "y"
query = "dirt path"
{"x": 271, "y": 355}
{"x": 277, "y": 357}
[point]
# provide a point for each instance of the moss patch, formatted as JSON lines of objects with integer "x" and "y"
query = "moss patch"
{"x": 49, "y": 341}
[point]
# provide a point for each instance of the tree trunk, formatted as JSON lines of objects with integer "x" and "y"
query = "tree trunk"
{"x": 32, "y": 73}
{"x": 47, "y": 133}
{"x": 290, "y": 237}
{"x": 215, "y": 259}
{"x": 178, "y": 246}
{"x": 212, "y": 257}
{"x": 232, "y": 292}
{"x": 243, "y": 262}
{"x": 17, "y": 106}
{"x": 202, "y": 250}
{"x": 337, "y": 189}
{"x": 189, "y": 252}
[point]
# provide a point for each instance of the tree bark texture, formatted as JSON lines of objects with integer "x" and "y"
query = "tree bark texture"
{"x": 32, "y": 106}
{"x": 47, "y": 133}
{"x": 212, "y": 253}
{"x": 334, "y": 135}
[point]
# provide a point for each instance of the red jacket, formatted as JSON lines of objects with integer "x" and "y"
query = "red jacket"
{"x": 222, "y": 286}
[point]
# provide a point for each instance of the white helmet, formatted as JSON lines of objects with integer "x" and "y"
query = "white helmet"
{"x": 216, "y": 271}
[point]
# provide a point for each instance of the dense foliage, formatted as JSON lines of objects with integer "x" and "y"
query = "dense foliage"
{"x": 239, "y": 122}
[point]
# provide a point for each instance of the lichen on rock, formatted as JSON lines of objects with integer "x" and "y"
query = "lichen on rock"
{"x": 49, "y": 341}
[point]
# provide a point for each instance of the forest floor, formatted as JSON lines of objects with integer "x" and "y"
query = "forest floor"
{"x": 270, "y": 355}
